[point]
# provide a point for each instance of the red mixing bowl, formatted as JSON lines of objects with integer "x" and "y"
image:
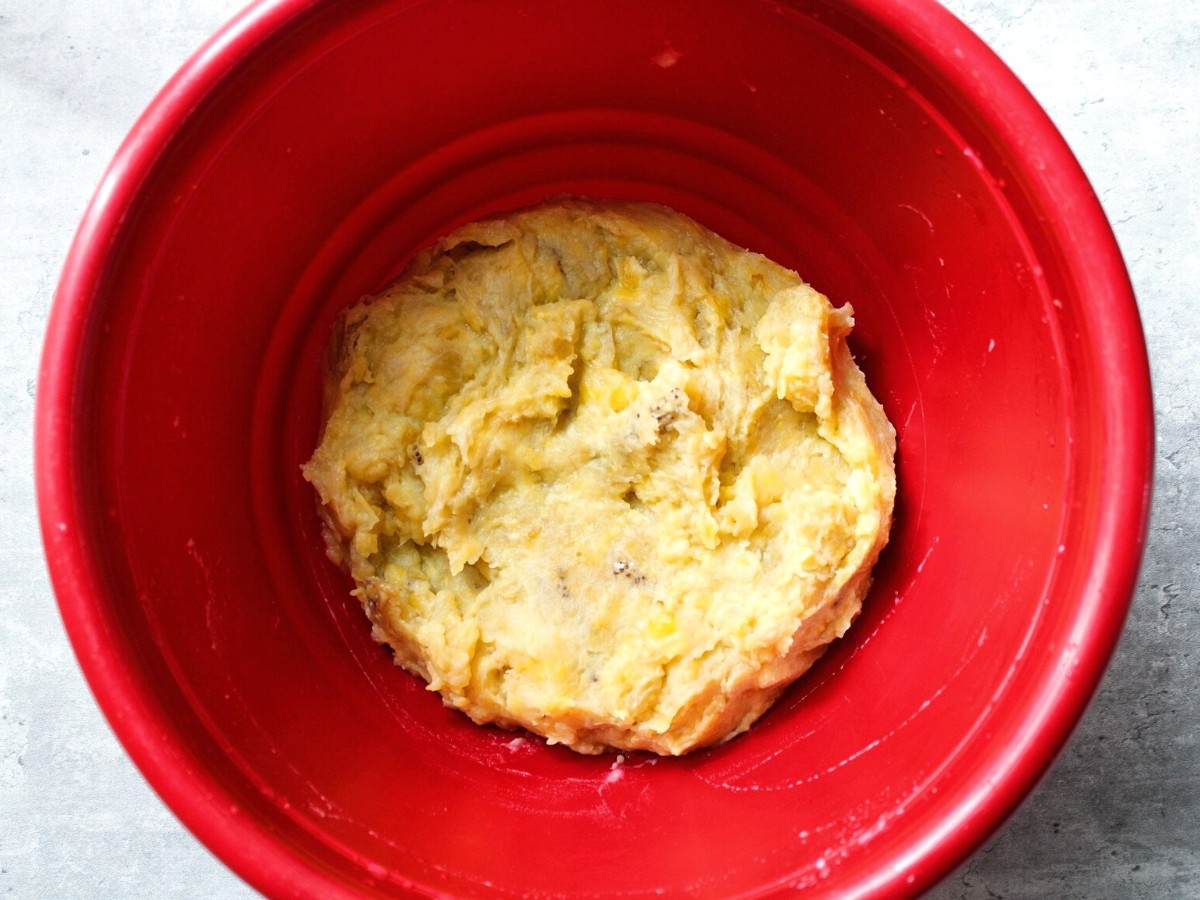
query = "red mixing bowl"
{"x": 300, "y": 158}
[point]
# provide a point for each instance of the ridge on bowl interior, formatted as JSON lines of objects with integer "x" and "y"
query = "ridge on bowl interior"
{"x": 297, "y": 162}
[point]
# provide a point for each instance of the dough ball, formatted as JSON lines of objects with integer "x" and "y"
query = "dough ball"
{"x": 602, "y": 475}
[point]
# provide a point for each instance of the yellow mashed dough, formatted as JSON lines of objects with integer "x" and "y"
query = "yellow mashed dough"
{"x": 600, "y": 474}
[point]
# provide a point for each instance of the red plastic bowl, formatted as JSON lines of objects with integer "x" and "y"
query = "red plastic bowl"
{"x": 302, "y": 155}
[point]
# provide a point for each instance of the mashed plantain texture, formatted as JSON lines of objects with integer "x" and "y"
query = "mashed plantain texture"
{"x": 600, "y": 474}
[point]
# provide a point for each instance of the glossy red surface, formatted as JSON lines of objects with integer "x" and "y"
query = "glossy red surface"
{"x": 295, "y": 163}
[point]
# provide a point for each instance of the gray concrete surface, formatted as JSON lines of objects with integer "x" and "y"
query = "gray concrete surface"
{"x": 1118, "y": 816}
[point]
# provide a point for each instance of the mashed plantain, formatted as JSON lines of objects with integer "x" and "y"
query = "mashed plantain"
{"x": 602, "y": 475}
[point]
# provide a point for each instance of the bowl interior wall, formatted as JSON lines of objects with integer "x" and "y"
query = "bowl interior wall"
{"x": 281, "y": 201}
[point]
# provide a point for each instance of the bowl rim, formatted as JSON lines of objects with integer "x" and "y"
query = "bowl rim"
{"x": 971, "y": 70}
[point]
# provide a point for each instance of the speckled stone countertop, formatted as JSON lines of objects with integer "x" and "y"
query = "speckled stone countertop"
{"x": 1119, "y": 814}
